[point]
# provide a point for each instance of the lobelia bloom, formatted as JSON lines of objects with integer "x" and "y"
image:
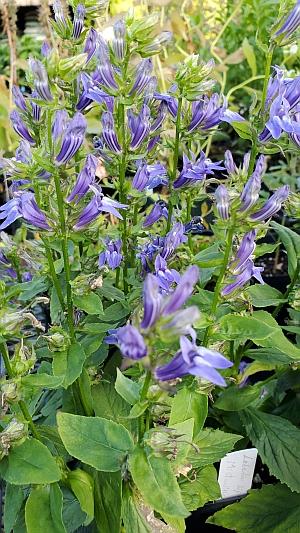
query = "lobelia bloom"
{"x": 20, "y": 127}
{"x": 251, "y": 189}
{"x": 72, "y": 139}
{"x": 41, "y": 81}
{"x": 105, "y": 68}
{"x": 59, "y": 16}
{"x": 195, "y": 360}
{"x": 142, "y": 77}
{"x": 166, "y": 277}
{"x": 244, "y": 252}
{"x": 173, "y": 239}
{"x": 149, "y": 176}
{"x": 129, "y": 340}
{"x": 92, "y": 92}
{"x": 59, "y": 124}
{"x": 159, "y": 210}
{"x": 139, "y": 126}
{"x": 295, "y": 137}
{"x": 149, "y": 251}
{"x": 99, "y": 204}
{"x": 272, "y": 205}
{"x": 46, "y": 49}
{"x": 108, "y": 132}
{"x": 195, "y": 170}
{"x": 85, "y": 178}
{"x": 19, "y": 99}
{"x": 209, "y": 112}
{"x": 119, "y": 43}
{"x": 232, "y": 168}
{"x": 91, "y": 44}
{"x": 290, "y": 24}
{"x": 249, "y": 271}
{"x": 23, "y": 205}
{"x": 78, "y": 21}
{"x": 36, "y": 109}
{"x": 169, "y": 100}
{"x": 112, "y": 255}
{"x": 222, "y": 201}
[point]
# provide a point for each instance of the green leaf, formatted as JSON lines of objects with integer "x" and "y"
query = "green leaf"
{"x": 272, "y": 509}
{"x": 108, "y": 500}
{"x": 111, "y": 293}
{"x": 97, "y": 442}
{"x": 277, "y": 441}
{"x": 42, "y": 380}
{"x": 212, "y": 444}
{"x": 32, "y": 288}
{"x": 82, "y": 484}
{"x": 277, "y": 339}
{"x": 43, "y": 510}
{"x": 249, "y": 55}
{"x": 69, "y": 364}
{"x": 185, "y": 429}
{"x": 242, "y": 328}
{"x": 201, "y": 487}
{"x": 29, "y": 463}
{"x": 291, "y": 242}
{"x": 138, "y": 409}
{"x": 12, "y": 504}
{"x": 243, "y": 129}
{"x": 107, "y": 403}
{"x": 132, "y": 516}
{"x": 115, "y": 312}
{"x": 157, "y": 483}
{"x": 188, "y": 403}
{"x": 264, "y": 295}
{"x": 73, "y": 516}
{"x": 235, "y": 399}
{"x": 128, "y": 389}
{"x": 209, "y": 257}
{"x": 89, "y": 303}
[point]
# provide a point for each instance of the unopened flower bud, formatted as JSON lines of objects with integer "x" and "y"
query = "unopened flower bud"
{"x": 15, "y": 432}
{"x": 9, "y": 392}
{"x": 23, "y": 360}
{"x": 163, "y": 442}
{"x": 58, "y": 340}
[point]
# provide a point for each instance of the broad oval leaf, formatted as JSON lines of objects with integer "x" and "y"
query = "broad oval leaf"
{"x": 43, "y": 510}
{"x": 95, "y": 441}
{"x": 277, "y": 441}
{"x": 156, "y": 481}
{"x": 188, "y": 403}
{"x": 29, "y": 463}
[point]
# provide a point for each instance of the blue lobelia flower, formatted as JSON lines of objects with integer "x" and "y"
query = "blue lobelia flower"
{"x": 195, "y": 170}
{"x": 78, "y": 21}
{"x": 46, "y": 49}
{"x": 59, "y": 124}
{"x": 272, "y": 205}
{"x": 148, "y": 252}
{"x": 36, "y": 109}
{"x": 238, "y": 281}
{"x": 23, "y": 205}
{"x": 142, "y": 77}
{"x": 166, "y": 277}
{"x": 173, "y": 239}
{"x": 41, "y": 81}
{"x": 72, "y": 139}
{"x": 99, "y": 204}
{"x": 244, "y": 252}
{"x": 92, "y": 92}
{"x": 290, "y": 24}
{"x": 109, "y": 134}
{"x": 119, "y": 43}
{"x": 20, "y": 127}
{"x": 222, "y": 201}
{"x": 149, "y": 176}
{"x": 139, "y": 126}
{"x": 158, "y": 211}
{"x": 207, "y": 113}
{"x": 295, "y": 137}
{"x": 85, "y": 178}
{"x": 232, "y": 168}
{"x": 112, "y": 255}
{"x": 252, "y": 188}
{"x": 19, "y": 99}
{"x": 105, "y": 68}
{"x": 59, "y": 16}
{"x": 129, "y": 340}
{"x": 195, "y": 360}
{"x": 169, "y": 100}
{"x": 91, "y": 43}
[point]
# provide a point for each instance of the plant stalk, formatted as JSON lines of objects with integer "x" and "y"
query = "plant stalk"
{"x": 269, "y": 58}
{"x": 175, "y": 162}
{"x": 122, "y": 183}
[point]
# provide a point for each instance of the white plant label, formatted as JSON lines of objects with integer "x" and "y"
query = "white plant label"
{"x": 236, "y": 472}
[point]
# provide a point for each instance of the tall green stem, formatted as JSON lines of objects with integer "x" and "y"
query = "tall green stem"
{"x": 64, "y": 244}
{"x": 216, "y": 298}
{"x": 188, "y": 217}
{"x": 253, "y": 154}
{"x": 21, "y": 403}
{"x": 175, "y": 162}
{"x": 122, "y": 184}
{"x": 53, "y": 274}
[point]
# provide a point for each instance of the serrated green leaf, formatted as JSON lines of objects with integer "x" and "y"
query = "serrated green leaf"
{"x": 235, "y": 398}
{"x": 188, "y": 403}
{"x": 200, "y": 488}
{"x": 277, "y": 441}
{"x": 82, "y": 484}
{"x": 43, "y": 510}
{"x": 209, "y": 257}
{"x": 264, "y": 295}
{"x": 291, "y": 242}
{"x": 157, "y": 483}
{"x": 95, "y": 441}
{"x": 12, "y": 504}
{"x": 272, "y": 509}
{"x": 212, "y": 444}
{"x": 243, "y": 129}
{"x": 42, "y": 380}
{"x": 69, "y": 364}
{"x": 29, "y": 463}
{"x": 108, "y": 500}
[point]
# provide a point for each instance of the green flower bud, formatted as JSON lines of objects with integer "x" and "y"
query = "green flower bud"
{"x": 9, "y": 392}
{"x": 163, "y": 442}
{"x": 68, "y": 68}
{"x": 58, "y": 340}
{"x": 23, "y": 360}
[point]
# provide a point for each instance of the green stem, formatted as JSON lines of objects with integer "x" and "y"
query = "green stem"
{"x": 146, "y": 385}
{"x": 145, "y": 426}
{"x": 220, "y": 279}
{"x": 269, "y": 58}
{"x": 64, "y": 244}
{"x": 253, "y": 154}
{"x": 21, "y": 403}
{"x": 175, "y": 162}
{"x": 53, "y": 274}
{"x": 122, "y": 183}
{"x": 188, "y": 218}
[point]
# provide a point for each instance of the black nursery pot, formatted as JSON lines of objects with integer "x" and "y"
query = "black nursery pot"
{"x": 197, "y": 521}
